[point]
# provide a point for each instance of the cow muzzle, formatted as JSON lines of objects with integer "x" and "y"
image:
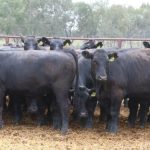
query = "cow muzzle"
{"x": 101, "y": 78}
{"x": 32, "y": 109}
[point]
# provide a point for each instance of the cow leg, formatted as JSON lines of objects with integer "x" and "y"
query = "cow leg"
{"x": 2, "y": 94}
{"x": 17, "y": 109}
{"x": 62, "y": 101}
{"x": 5, "y": 107}
{"x": 91, "y": 105}
{"x": 49, "y": 115}
{"x": 116, "y": 99}
{"x": 133, "y": 107}
{"x": 56, "y": 116}
{"x": 143, "y": 112}
{"x": 115, "y": 109}
{"x": 49, "y": 101}
{"x": 41, "y": 117}
{"x": 103, "y": 115}
{"x": 148, "y": 118}
{"x": 89, "y": 120}
{"x": 104, "y": 105}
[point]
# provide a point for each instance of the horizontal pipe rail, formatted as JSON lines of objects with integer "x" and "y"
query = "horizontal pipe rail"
{"x": 82, "y": 38}
{"x": 118, "y": 40}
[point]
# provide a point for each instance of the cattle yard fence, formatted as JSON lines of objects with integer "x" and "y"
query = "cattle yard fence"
{"x": 109, "y": 42}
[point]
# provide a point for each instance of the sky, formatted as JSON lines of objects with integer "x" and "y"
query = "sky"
{"x": 134, "y": 3}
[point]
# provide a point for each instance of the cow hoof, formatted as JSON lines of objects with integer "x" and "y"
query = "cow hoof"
{"x": 56, "y": 125}
{"x": 38, "y": 124}
{"x": 88, "y": 126}
{"x": 142, "y": 126}
{"x": 16, "y": 122}
{"x": 41, "y": 123}
{"x": 64, "y": 131}
{"x": 112, "y": 129}
{"x": 148, "y": 119}
{"x": 1, "y": 125}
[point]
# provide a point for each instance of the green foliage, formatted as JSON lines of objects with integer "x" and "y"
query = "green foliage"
{"x": 64, "y": 18}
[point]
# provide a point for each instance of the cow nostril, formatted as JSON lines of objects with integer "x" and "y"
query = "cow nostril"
{"x": 32, "y": 110}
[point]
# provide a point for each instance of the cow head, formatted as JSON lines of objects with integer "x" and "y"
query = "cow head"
{"x": 30, "y": 43}
{"x": 82, "y": 97}
{"x": 100, "y": 59}
{"x": 55, "y": 44}
{"x": 91, "y": 44}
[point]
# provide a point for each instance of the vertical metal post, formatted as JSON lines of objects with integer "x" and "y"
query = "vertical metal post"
{"x": 119, "y": 43}
{"x": 6, "y": 40}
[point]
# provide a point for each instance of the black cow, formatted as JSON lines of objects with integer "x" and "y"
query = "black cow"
{"x": 85, "y": 88}
{"x": 34, "y": 73}
{"x": 17, "y": 102}
{"x": 134, "y": 113}
{"x": 55, "y": 44}
{"x": 91, "y": 44}
{"x": 144, "y": 106}
{"x": 31, "y": 43}
{"x": 126, "y": 76}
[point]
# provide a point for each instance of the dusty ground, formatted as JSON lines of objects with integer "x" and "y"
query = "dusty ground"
{"x": 28, "y": 136}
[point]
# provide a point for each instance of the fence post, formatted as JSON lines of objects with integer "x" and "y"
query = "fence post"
{"x": 6, "y": 40}
{"x": 119, "y": 43}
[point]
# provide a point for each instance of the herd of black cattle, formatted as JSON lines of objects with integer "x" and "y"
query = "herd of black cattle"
{"x": 49, "y": 84}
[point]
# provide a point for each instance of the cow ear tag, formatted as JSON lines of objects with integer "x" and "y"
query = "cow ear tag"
{"x": 111, "y": 59}
{"x": 40, "y": 43}
{"x": 93, "y": 94}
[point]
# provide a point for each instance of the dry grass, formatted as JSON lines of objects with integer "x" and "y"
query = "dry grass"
{"x": 28, "y": 136}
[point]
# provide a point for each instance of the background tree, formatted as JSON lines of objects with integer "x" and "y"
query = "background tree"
{"x": 65, "y": 18}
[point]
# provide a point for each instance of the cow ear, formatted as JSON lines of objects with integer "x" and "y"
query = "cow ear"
{"x": 113, "y": 56}
{"x": 99, "y": 44}
{"x": 40, "y": 42}
{"x": 67, "y": 41}
{"x": 87, "y": 55}
{"x": 22, "y": 39}
{"x": 45, "y": 41}
{"x": 146, "y": 44}
{"x": 92, "y": 91}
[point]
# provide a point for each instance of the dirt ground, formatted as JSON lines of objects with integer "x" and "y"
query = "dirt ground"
{"x": 27, "y": 136}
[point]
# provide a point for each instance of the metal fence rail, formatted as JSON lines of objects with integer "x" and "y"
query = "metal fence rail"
{"x": 118, "y": 40}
